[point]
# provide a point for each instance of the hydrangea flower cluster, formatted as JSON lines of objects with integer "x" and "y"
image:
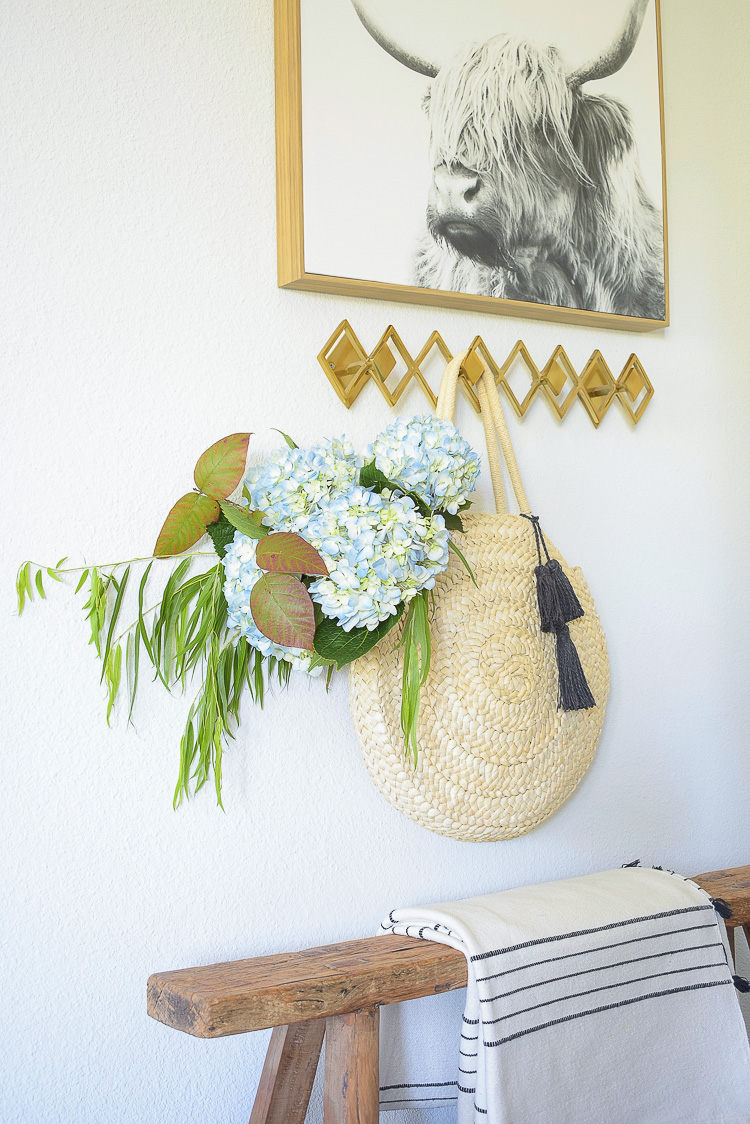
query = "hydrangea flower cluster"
{"x": 379, "y": 551}
{"x": 241, "y": 573}
{"x": 290, "y": 485}
{"x": 427, "y": 456}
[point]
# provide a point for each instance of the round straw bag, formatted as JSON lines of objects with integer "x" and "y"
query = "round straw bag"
{"x": 497, "y": 753}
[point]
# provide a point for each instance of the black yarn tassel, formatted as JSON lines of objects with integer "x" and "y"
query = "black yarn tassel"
{"x": 548, "y": 597}
{"x": 570, "y": 607}
{"x": 574, "y": 692}
{"x": 741, "y": 983}
{"x": 723, "y": 908}
{"x": 558, "y": 604}
{"x": 635, "y": 862}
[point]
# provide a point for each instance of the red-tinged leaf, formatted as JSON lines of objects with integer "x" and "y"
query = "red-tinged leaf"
{"x": 185, "y": 524}
{"x": 283, "y": 611}
{"x": 220, "y": 469}
{"x": 286, "y": 553}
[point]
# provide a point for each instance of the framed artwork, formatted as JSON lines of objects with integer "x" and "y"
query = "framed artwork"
{"x": 503, "y": 156}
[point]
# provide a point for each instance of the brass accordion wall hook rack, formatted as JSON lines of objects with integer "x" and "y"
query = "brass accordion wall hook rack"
{"x": 391, "y": 367}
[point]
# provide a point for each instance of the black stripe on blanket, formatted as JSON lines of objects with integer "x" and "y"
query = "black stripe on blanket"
{"x": 599, "y": 948}
{"x": 415, "y": 1096}
{"x": 589, "y": 932}
{"x": 606, "y": 987}
{"x": 608, "y": 1007}
{"x": 420, "y": 1100}
{"x": 419, "y": 1085}
{"x": 608, "y": 967}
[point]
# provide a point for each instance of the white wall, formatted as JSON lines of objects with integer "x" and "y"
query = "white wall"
{"x": 140, "y": 321}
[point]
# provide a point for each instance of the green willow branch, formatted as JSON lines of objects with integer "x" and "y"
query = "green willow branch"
{"x": 183, "y": 634}
{"x": 115, "y": 565}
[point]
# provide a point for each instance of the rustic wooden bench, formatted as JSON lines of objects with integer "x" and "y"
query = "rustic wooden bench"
{"x": 335, "y": 991}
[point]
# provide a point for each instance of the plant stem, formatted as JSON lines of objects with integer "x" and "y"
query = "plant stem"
{"x": 126, "y": 562}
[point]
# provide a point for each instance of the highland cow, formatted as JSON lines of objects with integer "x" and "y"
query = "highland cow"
{"x": 537, "y": 193}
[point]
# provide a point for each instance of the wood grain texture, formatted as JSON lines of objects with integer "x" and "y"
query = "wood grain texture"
{"x": 267, "y": 991}
{"x": 288, "y": 1073}
{"x": 733, "y": 886}
{"x": 350, "y": 1087}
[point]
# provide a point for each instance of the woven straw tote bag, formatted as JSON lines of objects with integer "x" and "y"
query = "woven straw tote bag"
{"x": 497, "y": 754}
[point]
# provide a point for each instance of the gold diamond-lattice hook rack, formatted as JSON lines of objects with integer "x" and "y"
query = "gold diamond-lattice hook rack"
{"x": 391, "y": 367}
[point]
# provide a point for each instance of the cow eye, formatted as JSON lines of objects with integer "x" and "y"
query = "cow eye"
{"x": 426, "y": 101}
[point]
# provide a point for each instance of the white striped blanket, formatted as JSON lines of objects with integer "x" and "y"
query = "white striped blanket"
{"x": 606, "y": 999}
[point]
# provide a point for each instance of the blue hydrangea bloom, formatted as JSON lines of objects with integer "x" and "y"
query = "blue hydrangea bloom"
{"x": 379, "y": 551}
{"x": 290, "y": 484}
{"x": 429, "y": 457}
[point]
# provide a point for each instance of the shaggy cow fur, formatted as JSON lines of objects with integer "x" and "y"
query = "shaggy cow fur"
{"x": 537, "y": 192}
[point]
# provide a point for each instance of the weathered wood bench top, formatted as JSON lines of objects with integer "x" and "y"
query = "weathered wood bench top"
{"x": 271, "y": 991}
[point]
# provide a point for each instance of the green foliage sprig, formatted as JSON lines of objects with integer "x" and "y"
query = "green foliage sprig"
{"x": 184, "y": 632}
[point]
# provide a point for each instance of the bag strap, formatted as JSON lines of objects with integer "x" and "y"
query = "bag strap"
{"x": 495, "y": 430}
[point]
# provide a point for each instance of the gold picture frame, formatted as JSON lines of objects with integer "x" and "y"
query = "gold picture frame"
{"x": 292, "y": 272}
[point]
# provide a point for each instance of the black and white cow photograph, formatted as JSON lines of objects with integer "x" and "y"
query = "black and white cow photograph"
{"x": 498, "y": 148}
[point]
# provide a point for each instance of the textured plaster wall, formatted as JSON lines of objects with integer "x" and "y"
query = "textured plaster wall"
{"x": 139, "y": 321}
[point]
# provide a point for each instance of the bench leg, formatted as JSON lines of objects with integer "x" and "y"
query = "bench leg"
{"x": 351, "y": 1091}
{"x": 288, "y": 1073}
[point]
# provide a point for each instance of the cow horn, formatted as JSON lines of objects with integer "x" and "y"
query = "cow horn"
{"x": 617, "y": 53}
{"x": 366, "y": 13}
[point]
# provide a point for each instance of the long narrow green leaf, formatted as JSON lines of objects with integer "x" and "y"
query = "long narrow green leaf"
{"x": 452, "y": 546}
{"x": 217, "y": 767}
{"x": 141, "y": 621}
{"x": 27, "y": 581}
{"x": 96, "y": 605}
{"x": 135, "y": 636}
{"x": 258, "y": 677}
{"x": 120, "y": 587}
{"x": 129, "y": 660}
{"x": 416, "y": 642}
{"x": 82, "y": 581}
{"x": 187, "y": 756}
{"x": 113, "y": 668}
{"x": 21, "y": 587}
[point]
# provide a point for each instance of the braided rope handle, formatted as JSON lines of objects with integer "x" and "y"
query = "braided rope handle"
{"x": 495, "y": 431}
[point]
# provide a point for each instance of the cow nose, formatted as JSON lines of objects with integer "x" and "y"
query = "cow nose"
{"x": 456, "y": 188}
